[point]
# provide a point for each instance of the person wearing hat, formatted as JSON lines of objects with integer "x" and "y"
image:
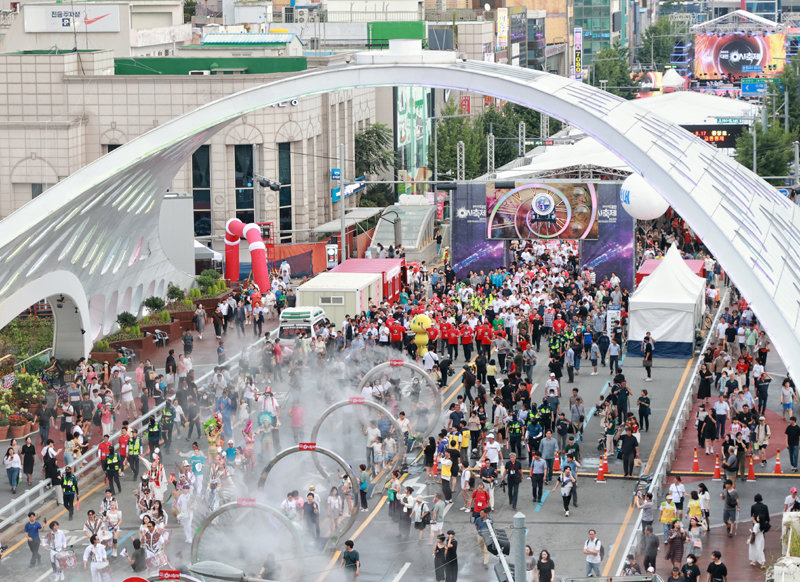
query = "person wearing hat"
{"x": 792, "y": 501}
{"x": 420, "y": 516}
{"x": 667, "y": 514}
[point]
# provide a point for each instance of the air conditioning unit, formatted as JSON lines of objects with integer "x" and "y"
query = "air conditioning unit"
{"x": 200, "y": 72}
{"x": 301, "y": 15}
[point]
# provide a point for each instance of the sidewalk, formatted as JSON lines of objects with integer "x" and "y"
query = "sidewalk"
{"x": 204, "y": 357}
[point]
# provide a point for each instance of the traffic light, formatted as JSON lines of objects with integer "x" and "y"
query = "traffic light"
{"x": 502, "y": 539}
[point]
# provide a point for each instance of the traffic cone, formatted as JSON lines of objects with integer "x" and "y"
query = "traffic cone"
{"x": 605, "y": 463}
{"x": 557, "y": 464}
{"x": 777, "y": 463}
{"x": 751, "y": 475}
{"x": 717, "y": 470}
{"x": 695, "y": 462}
{"x": 601, "y": 475}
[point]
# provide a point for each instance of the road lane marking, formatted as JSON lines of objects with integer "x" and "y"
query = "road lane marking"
{"x": 402, "y": 571}
{"x": 656, "y": 445}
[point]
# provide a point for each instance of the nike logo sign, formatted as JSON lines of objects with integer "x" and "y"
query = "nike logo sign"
{"x": 88, "y": 21}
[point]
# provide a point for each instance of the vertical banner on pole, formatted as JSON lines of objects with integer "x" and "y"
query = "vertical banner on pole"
{"x": 578, "y": 53}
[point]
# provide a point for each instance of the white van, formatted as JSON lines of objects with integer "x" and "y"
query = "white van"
{"x": 294, "y": 321}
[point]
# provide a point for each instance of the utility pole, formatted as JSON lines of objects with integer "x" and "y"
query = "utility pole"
{"x": 521, "y": 139}
{"x": 435, "y": 150}
{"x": 544, "y": 126}
{"x": 490, "y": 153}
{"x": 796, "y": 149}
{"x": 343, "y": 242}
{"x": 518, "y": 546}
{"x": 785, "y": 111}
{"x": 754, "y": 146}
{"x": 460, "y": 173}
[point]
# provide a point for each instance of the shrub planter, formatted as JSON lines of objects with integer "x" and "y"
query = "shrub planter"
{"x": 173, "y": 329}
{"x": 3, "y": 432}
{"x": 103, "y": 357}
{"x": 18, "y": 431}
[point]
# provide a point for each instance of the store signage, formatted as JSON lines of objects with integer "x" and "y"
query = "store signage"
{"x": 71, "y": 18}
{"x": 578, "y": 47}
{"x": 307, "y": 446}
{"x": 169, "y": 574}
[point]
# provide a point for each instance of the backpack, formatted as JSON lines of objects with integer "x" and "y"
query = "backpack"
{"x": 602, "y": 553}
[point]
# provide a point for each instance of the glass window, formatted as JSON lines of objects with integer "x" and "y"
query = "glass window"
{"x": 36, "y": 189}
{"x": 285, "y": 223}
{"x": 243, "y": 180}
{"x": 201, "y": 190}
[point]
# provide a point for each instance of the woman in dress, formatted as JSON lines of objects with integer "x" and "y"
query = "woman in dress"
{"x": 704, "y": 388}
{"x": 249, "y": 444}
{"x": 709, "y": 433}
{"x": 694, "y": 540}
{"x": 199, "y": 320}
{"x": 28, "y": 459}
{"x": 113, "y": 523}
{"x": 705, "y": 503}
{"x": 438, "y": 558}
{"x": 755, "y": 545}
{"x": 335, "y": 505}
{"x": 675, "y": 543}
{"x": 545, "y": 567}
{"x": 429, "y": 453}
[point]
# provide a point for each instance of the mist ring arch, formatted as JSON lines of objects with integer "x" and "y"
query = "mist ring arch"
{"x": 399, "y": 456}
{"x": 414, "y": 367}
{"x": 343, "y": 528}
{"x": 228, "y": 507}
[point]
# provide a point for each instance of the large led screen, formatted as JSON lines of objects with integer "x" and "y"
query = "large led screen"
{"x": 738, "y": 55}
{"x": 563, "y": 210}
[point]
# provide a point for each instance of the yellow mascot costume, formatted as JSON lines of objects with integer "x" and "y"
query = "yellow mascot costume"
{"x": 419, "y": 325}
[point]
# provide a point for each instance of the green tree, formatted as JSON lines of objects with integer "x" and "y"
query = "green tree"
{"x": 773, "y": 151}
{"x": 612, "y": 65}
{"x": 788, "y": 84}
{"x": 657, "y": 45}
{"x": 374, "y": 150}
{"x": 189, "y": 9}
{"x": 378, "y": 195}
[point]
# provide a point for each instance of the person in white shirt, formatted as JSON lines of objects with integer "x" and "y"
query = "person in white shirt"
{"x": 95, "y": 554}
{"x": 678, "y": 492}
{"x": 185, "y": 513}
{"x": 592, "y": 548}
{"x": 492, "y": 451}
{"x": 552, "y": 384}
{"x": 428, "y": 361}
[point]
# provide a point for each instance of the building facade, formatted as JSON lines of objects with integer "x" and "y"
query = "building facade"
{"x": 82, "y": 110}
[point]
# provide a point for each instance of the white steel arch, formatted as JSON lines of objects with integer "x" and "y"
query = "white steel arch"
{"x": 77, "y": 224}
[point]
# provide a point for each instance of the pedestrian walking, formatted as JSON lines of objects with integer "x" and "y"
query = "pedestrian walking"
{"x": 13, "y": 466}
{"x": 566, "y": 482}
{"x": 69, "y": 485}
{"x": 675, "y": 543}
{"x": 112, "y": 466}
{"x": 32, "y": 529}
{"x": 730, "y": 506}
{"x": 649, "y": 549}
{"x": 351, "y": 561}
{"x": 482, "y": 529}
{"x": 512, "y": 473}
{"x": 793, "y": 442}
{"x": 717, "y": 571}
{"x": 28, "y": 453}
{"x": 439, "y": 560}
{"x": 57, "y": 542}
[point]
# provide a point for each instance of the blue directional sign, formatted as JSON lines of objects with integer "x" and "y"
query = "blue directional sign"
{"x": 752, "y": 69}
{"x": 336, "y": 173}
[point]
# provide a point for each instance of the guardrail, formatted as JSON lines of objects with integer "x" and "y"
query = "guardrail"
{"x": 47, "y": 351}
{"x": 668, "y": 454}
{"x": 34, "y": 497}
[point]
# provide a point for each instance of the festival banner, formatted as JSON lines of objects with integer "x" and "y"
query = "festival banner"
{"x": 470, "y": 251}
{"x": 612, "y": 252}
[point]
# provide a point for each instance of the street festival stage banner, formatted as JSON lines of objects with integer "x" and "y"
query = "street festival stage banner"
{"x": 469, "y": 249}
{"x": 612, "y": 252}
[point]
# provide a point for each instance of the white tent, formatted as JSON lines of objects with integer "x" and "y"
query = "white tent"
{"x": 669, "y": 304}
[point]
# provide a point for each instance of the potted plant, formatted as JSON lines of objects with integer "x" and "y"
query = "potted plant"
{"x": 17, "y": 425}
{"x": 3, "y": 426}
{"x": 28, "y": 390}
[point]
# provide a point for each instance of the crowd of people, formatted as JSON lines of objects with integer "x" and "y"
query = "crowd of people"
{"x": 542, "y": 310}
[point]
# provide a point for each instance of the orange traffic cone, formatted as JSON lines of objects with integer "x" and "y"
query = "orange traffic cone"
{"x": 695, "y": 462}
{"x": 777, "y": 463}
{"x": 751, "y": 475}
{"x": 605, "y": 463}
{"x": 601, "y": 474}
{"x": 717, "y": 470}
{"x": 557, "y": 464}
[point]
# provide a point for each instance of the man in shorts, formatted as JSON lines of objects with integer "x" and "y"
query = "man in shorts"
{"x": 437, "y": 515}
{"x": 730, "y": 506}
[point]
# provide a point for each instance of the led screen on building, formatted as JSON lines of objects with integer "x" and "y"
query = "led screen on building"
{"x": 739, "y": 55}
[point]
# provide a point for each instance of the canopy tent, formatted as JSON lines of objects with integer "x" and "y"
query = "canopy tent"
{"x": 669, "y": 304}
{"x": 204, "y": 253}
{"x": 650, "y": 265}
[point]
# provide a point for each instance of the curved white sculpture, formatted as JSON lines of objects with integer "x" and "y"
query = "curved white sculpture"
{"x": 77, "y": 224}
{"x": 640, "y": 199}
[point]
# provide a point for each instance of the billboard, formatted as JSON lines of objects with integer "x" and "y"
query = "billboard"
{"x": 739, "y": 55}
{"x": 502, "y": 28}
{"x": 577, "y": 70}
{"x": 721, "y": 136}
{"x": 69, "y": 18}
{"x": 470, "y": 250}
{"x": 563, "y": 210}
{"x": 612, "y": 252}
{"x": 412, "y": 137}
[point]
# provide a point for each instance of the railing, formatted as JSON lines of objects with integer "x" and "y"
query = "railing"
{"x": 32, "y": 498}
{"x": 47, "y": 352}
{"x": 668, "y": 454}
